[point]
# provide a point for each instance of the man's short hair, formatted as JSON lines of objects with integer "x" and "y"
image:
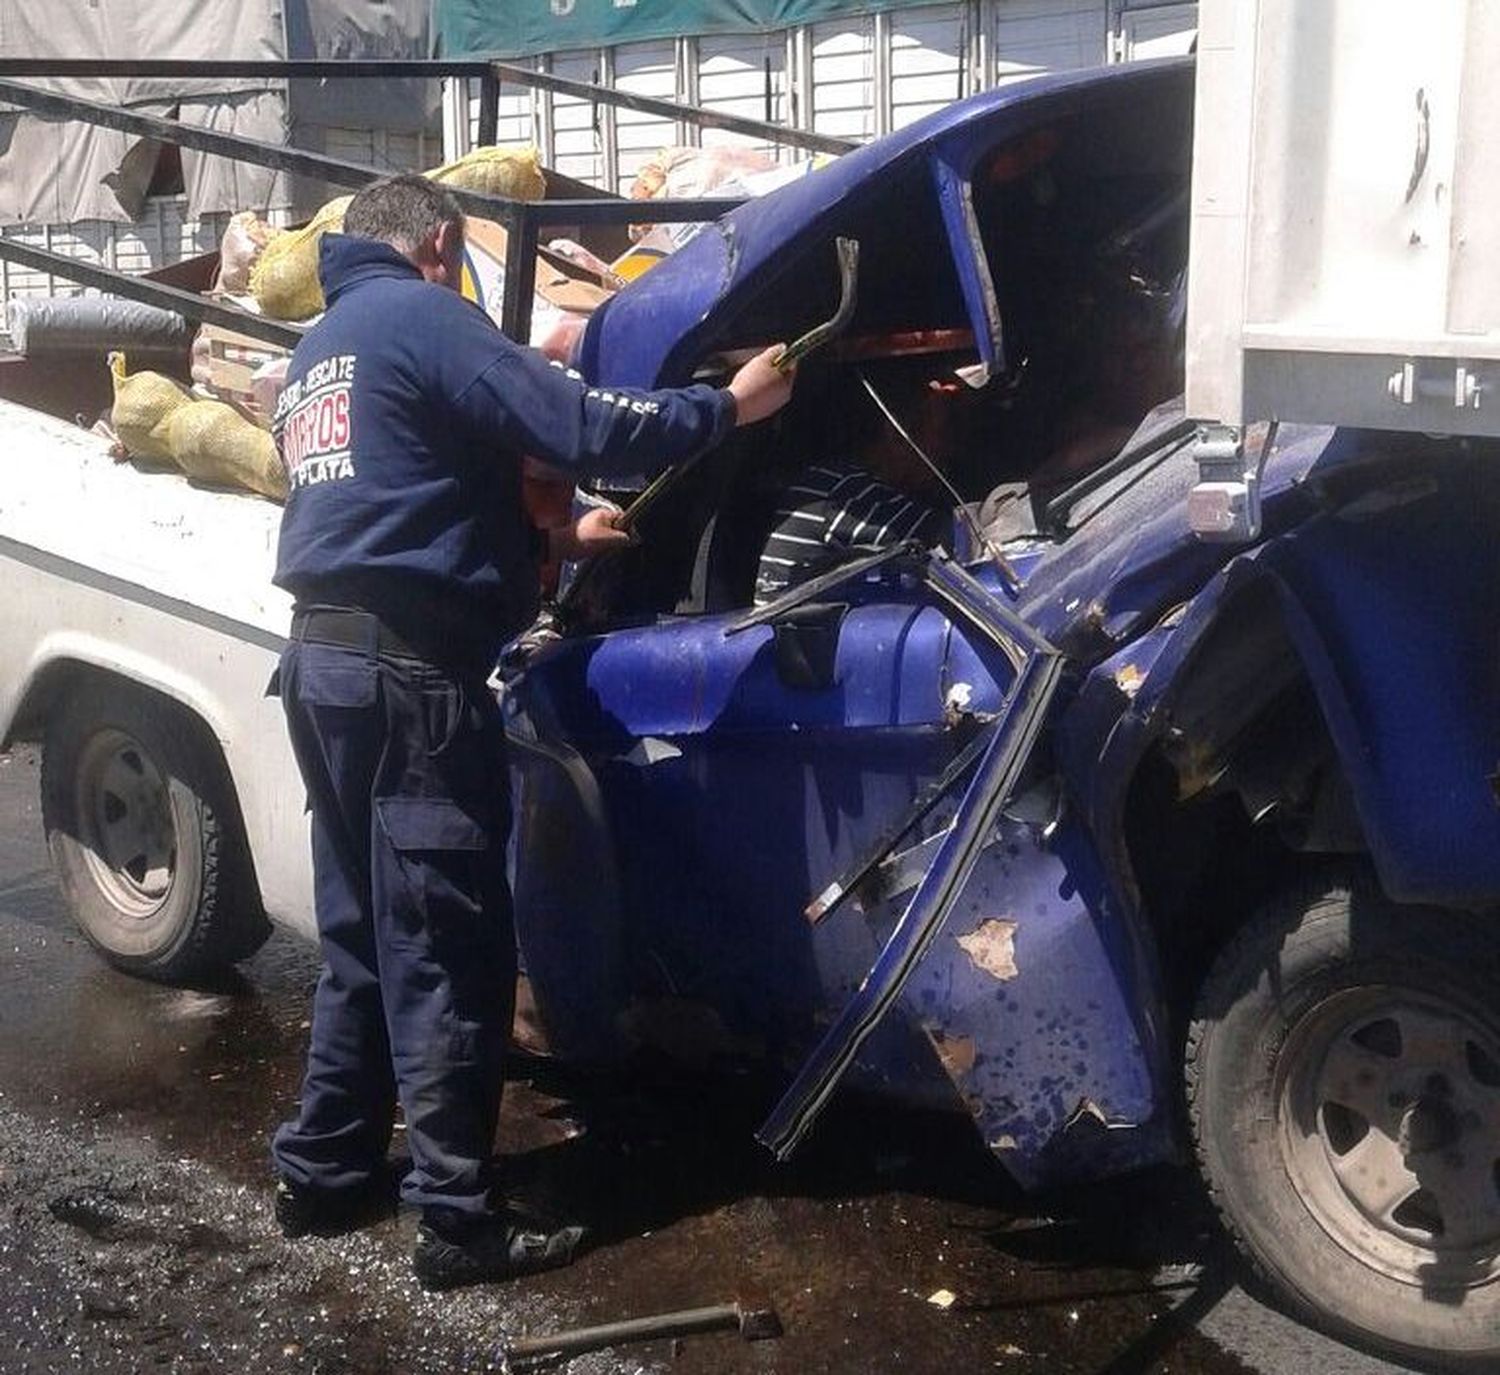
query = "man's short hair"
{"x": 402, "y": 211}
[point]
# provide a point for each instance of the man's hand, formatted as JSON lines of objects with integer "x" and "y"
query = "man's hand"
{"x": 593, "y": 533}
{"x": 759, "y": 388}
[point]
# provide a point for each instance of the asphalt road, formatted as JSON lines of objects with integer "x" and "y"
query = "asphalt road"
{"x": 135, "y": 1229}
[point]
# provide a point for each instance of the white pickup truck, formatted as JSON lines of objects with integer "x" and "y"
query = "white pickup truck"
{"x": 140, "y": 631}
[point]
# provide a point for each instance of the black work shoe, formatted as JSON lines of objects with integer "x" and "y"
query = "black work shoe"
{"x": 302, "y": 1211}
{"x": 446, "y": 1257}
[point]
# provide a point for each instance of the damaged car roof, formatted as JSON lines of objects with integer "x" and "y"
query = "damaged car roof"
{"x": 657, "y": 329}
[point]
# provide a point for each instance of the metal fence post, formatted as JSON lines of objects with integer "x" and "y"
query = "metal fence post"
{"x": 489, "y": 107}
{"x": 521, "y": 232}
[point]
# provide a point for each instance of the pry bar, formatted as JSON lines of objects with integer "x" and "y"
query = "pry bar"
{"x": 753, "y": 1321}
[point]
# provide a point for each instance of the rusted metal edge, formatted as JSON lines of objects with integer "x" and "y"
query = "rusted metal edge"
{"x": 995, "y": 779}
{"x": 834, "y": 894}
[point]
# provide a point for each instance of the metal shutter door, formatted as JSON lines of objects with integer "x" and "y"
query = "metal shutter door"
{"x": 1032, "y": 36}
{"x": 648, "y": 69}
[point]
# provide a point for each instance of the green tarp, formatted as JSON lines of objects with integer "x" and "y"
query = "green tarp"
{"x": 516, "y": 28}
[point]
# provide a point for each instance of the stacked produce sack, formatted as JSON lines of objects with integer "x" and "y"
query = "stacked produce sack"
{"x": 213, "y": 441}
{"x": 284, "y": 277}
{"x": 512, "y": 172}
{"x": 210, "y": 441}
{"x": 283, "y": 273}
{"x": 243, "y": 242}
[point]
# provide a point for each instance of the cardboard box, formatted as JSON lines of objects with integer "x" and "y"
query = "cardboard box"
{"x": 484, "y": 275}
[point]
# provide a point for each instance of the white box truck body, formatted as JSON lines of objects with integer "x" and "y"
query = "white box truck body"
{"x": 1345, "y": 226}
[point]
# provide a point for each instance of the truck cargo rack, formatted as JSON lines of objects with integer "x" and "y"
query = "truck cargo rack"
{"x": 522, "y": 220}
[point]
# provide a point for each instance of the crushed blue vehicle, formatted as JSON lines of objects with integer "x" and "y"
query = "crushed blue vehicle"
{"x": 1130, "y": 845}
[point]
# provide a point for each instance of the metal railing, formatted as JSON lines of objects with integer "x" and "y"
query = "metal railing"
{"x": 524, "y": 221}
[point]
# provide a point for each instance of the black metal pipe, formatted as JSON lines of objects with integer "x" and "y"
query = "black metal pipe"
{"x": 278, "y": 157}
{"x": 322, "y": 69}
{"x": 520, "y": 281}
{"x": 187, "y": 303}
{"x": 489, "y": 107}
{"x": 523, "y": 219}
{"x": 622, "y": 211}
{"x": 339, "y": 172}
{"x": 278, "y": 69}
{"x": 273, "y": 155}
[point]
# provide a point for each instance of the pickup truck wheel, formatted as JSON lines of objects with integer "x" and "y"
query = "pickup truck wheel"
{"x": 1343, "y": 1083}
{"x": 136, "y": 810}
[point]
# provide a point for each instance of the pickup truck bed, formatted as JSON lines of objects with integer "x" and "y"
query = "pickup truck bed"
{"x": 115, "y": 575}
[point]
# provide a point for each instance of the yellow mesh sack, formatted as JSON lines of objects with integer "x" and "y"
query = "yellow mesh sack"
{"x": 513, "y": 172}
{"x": 142, "y": 407}
{"x": 213, "y": 442}
{"x": 284, "y": 280}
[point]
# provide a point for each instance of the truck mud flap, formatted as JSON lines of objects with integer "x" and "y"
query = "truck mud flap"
{"x": 1011, "y": 743}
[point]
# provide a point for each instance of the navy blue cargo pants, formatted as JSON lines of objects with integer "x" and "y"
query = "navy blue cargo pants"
{"x": 406, "y": 779}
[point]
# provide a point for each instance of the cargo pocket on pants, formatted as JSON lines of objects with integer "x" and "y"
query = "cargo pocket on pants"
{"x": 327, "y": 676}
{"x": 438, "y": 906}
{"x": 429, "y": 823}
{"x": 443, "y": 873}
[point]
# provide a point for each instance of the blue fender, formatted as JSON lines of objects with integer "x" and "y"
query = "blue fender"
{"x": 1405, "y": 669}
{"x": 1390, "y": 605}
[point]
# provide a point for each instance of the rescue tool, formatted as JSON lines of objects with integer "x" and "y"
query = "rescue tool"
{"x": 848, "y": 260}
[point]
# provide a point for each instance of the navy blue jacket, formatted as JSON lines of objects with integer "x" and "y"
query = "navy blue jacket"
{"x": 402, "y": 426}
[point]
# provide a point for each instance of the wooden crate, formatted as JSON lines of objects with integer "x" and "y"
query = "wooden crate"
{"x": 232, "y": 361}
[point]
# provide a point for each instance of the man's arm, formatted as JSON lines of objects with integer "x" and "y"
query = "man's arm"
{"x": 539, "y": 408}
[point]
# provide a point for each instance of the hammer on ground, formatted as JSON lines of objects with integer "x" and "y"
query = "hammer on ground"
{"x": 753, "y": 1320}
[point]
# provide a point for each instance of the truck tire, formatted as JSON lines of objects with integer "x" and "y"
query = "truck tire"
{"x": 140, "y": 819}
{"x": 1343, "y": 1086}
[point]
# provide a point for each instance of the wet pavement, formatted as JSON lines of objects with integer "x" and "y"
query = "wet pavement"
{"x": 135, "y": 1228}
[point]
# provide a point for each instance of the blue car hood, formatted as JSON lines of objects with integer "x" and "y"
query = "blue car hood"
{"x": 1135, "y": 557}
{"x": 656, "y": 330}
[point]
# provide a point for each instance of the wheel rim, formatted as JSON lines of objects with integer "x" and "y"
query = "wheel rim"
{"x": 1390, "y": 1131}
{"x": 129, "y": 837}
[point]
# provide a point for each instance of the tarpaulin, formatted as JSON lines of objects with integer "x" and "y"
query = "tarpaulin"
{"x": 55, "y": 171}
{"x": 62, "y": 171}
{"x": 517, "y": 28}
{"x": 348, "y": 30}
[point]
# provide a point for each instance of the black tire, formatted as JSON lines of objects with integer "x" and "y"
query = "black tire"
{"x": 1343, "y": 1086}
{"x": 144, "y": 834}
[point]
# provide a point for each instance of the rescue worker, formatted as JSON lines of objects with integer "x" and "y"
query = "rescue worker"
{"x": 411, "y": 561}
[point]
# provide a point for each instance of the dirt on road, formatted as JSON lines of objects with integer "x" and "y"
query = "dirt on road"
{"x": 136, "y": 1234}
